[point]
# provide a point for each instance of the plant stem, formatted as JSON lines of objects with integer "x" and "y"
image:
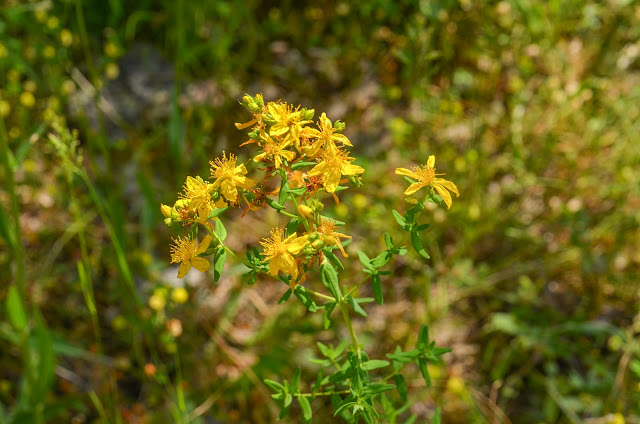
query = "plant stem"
{"x": 357, "y": 286}
{"x": 342, "y": 392}
{"x": 320, "y": 295}
{"x": 347, "y": 320}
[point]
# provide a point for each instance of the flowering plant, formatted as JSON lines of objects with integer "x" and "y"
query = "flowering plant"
{"x": 307, "y": 165}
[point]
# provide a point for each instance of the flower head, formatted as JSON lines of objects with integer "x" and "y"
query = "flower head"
{"x": 228, "y": 177}
{"x": 326, "y": 137}
{"x": 280, "y": 251}
{"x": 196, "y": 197}
{"x": 185, "y": 250}
{"x": 275, "y": 152}
{"x": 288, "y": 122}
{"x": 425, "y": 176}
{"x": 334, "y": 164}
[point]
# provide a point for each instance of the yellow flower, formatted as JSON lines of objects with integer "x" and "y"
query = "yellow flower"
{"x": 334, "y": 164}
{"x": 288, "y": 122}
{"x": 197, "y": 197}
{"x": 425, "y": 175}
{"x": 276, "y": 152}
{"x": 185, "y": 250}
{"x": 228, "y": 177}
{"x": 280, "y": 251}
{"x": 327, "y": 137}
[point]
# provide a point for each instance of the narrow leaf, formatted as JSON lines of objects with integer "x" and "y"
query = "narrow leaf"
{"x": 15, "y": 310}
{"x": 417, "y": 244}
{"x": 401, "y": 384}
{"x": 329, "y": 278}
{"x": 218, "y": 263}
{"x": 305, "y": 408}
{"x": 374, "y": 364}
{"x": 220, "y": 231}
{"x": 376, "y": 286}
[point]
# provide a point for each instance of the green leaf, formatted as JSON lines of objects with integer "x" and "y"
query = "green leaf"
{"x": 422, "y": 364}
{"x": 356, "y": 307}
{"x": 292, "y": 226}
{"x": 275, "y": 205}
{"x": 417, "y": 244}
{"x": 5, "y": 228}
{"x": 376, "y": 286}
{"x": 284, "y": 411}
{"x": 274, "y": 385}
{"x": 220, "y": 231}
{"x": 374, "y": 364}
{"x": 214, "y": 213}
{"x": 45, "y": 363}
{"x": 304, "y": 297}
{"x": 287, "y": 400}
{"x": 193, "y": 232}
{"x": 285, "y": 297}
{"x": 284, "y": 192}
{"x": 437, "y": 416}
{"x": 295, "y": 382}
{"x": 381, "y": 260}
{"x": 218, "y": 263}
{"x": 401, "y": 384}
{"x": 412, "y": 419}
{"x": 364, "y": 259}
{"x": 15, "y": 310}
{"x": 328, "y": 308}
{"x": 422, "y": 227}
{"x": 329, "y": 278}
{"x": 399, "y": 219}
{"x": 299, "y": 165}
{"x": 423, "y": 337}
{"x": 305, "y": 408}
{"x": 375, "y": 388}
{"x": 333, "y": 258}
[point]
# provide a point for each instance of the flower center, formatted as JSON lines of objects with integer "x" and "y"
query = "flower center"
{"x": 425, "y": 174}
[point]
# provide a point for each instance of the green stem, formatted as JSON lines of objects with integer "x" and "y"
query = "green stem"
{"x": 215, "y": 236}
{"x": 320, "y": 295}
{"x": 342, "y": 392}
{"x": 347, "y": 320}
{"x": 18, "y": 249}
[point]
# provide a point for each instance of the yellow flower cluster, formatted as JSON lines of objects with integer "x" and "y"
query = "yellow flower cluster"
{"x": 307, "y": 159}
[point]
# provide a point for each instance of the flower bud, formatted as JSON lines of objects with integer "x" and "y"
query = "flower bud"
{"x": 307, "y": 114}
{"x": 166, "y": 210}
{"x": 306, "y": 211}
{"x": 318, "y": 244}
{"x": 339, "y": 126}
{"x": 268, "y": 119}
{"x": 316, "y": 205}
{"x": 255, "y": 135}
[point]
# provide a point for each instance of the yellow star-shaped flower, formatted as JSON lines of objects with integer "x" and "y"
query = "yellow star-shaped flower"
{"x": 185, "y": 250}
{"x": 280, "y": 251}
{"x": 425, "y": 176}
{"x": 334, "y": 164}
{"x": 228, "y": 177}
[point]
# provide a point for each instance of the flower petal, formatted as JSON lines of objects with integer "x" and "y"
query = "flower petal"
{"x": 446, "y": 196}
{"x": 413, "y": 188}
{"x": 431, "y": 162}
{"x": 204, "y": 244}
{"x": 448, "y": 185}
{"x": 297, "y": 245}
{"x": 184, "y": 268}
{"x": 201, "y": 264}
{"x": 331, "y": 179}
{"x": 406, "y": 172}
{"x": 352, "y": 170}
{"x": 319, "y": 169}
{"x": 229, "y": 190}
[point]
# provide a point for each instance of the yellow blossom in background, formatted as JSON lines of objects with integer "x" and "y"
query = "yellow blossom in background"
{"x": 111, "y": 49}
{"x": 276, "y": 152}
{"x": 228, "y": 177}
{"x": 185, "y": 250}
{"x": 425, "y": 175}
{"x": 53, "y": 22}
{"x": 334, "y": 164}
{"x": 3, "y": 51}
{"x": 49, "y": 52}
{"x": 66, "y": 38}
{"x": 111, "y": 71}
{"x": 179, "y": 295}
{"x": 197, "y": 197}
{"x": 280, "y": 251}
{"x": 5, "y": 108}
{"x": 27, "y": 99}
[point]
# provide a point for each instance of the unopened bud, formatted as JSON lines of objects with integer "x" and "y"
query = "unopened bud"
{"x": 166, "y": 210}
{"x": 254, "y": 135}
{"x": 268, "y": 119}
{"x": 306, "y": 211}
{"x": 316, "y": 205}
{"x": 318, "y": 244}
{"x": 339, "y": 126}
{"x": 307, "y": 114}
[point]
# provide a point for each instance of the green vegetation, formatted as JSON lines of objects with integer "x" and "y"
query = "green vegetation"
{"x": 531, "y": 108}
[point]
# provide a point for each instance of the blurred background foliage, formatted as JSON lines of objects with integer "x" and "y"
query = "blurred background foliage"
{"x": 532, "y": 109}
